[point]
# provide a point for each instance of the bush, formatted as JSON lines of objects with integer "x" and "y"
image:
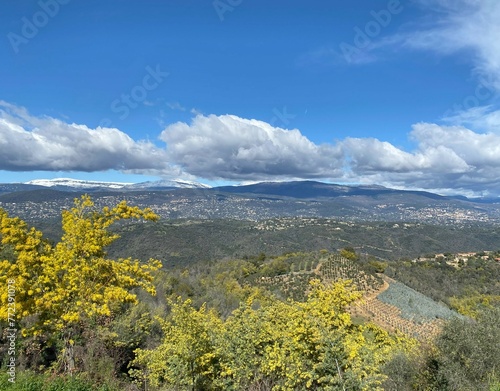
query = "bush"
{"x": 469, "y": 352}
{"x": 466, "y": 357}
{"x": 29, "y": 381}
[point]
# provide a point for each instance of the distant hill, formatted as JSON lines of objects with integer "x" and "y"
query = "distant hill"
{"x": 167, "y": 185}
{"x": 180, "y": 242}
{"x": 293, "y": 189}
{"x": 183, "y": 199}
{"x": 312, "y": 189}
{"x": 17, "y": 187}
{"x": 37, "y": 196}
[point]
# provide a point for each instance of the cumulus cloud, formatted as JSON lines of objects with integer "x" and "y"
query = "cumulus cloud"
{"x": 446, "y": 157}
{"x": 370, "y": 155}
{"x": 228, "y": 147}
{"x": 44, "y": 143}
{"x": 235, "y": 148}
{"x": 478, "y": 150}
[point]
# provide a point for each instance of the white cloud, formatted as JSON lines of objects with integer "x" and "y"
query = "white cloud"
{"x": 483, "y": 118}
{"x": 235, "y": 148}
{"x": 446, "y": 157}
{"x": 44, "y": 143}
{"x": 466, "y": 155}
{"x": 478, "y": 150}
{"x": 370, "y": 155}
{"x": 468, "y": 26}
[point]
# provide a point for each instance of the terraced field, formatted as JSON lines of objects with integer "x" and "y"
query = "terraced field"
{"x": 414, "y": 305}
{"x": 389, "y": 317}
{"x": 398, "y": 307}
{"x": 336, "y": 268}
{"x": 386, "y": 302}
{"x": 292, "y": 285}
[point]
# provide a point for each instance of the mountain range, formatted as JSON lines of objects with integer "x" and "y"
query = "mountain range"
{"x": 179, "y": 199}
{"x": 292, "y": 189}
{"x": 69, "y": 184}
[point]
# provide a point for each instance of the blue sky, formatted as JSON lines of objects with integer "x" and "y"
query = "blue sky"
{"x": 397, "y": 93}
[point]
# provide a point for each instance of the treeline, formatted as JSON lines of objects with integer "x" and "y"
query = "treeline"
{"x": 466, "y": 286}
{"x": 88, "y": 322}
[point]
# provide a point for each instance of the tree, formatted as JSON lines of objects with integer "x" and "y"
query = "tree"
{"x": 465, "y": 357}
{"x": 349, "y": 253}
{"x": 473, "y": 303}
{"x": 186, "y": 358}
{"x": 60, "y": 287}
{"x": 469, "y": 352}
{"x": 277, "y": 345}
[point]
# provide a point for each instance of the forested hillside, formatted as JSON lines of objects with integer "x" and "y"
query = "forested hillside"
{"x": 298, "y": 319}
{"x": 182, "y": 242}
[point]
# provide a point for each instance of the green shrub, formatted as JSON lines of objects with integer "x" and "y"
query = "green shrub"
{"x": 29, "y": 381}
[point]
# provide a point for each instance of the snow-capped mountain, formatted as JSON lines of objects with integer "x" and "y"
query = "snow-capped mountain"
{"x": 166, "y": 183}
{"x": 77, "y": 183}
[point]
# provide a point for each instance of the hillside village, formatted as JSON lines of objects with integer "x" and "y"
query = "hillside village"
{"x": 459, "y": 259}
{"x": 176, "y": 205}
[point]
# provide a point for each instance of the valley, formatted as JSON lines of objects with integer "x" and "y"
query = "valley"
{"x": 261, "y": 202}
{"x": 393, "y": 270}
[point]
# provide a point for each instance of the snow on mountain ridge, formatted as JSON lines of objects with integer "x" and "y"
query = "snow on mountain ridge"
{"x": 85, "y": 184}
{"x": 77, "y": 183}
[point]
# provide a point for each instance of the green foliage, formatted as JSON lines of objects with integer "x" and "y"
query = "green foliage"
{"x": 466, "y": 357}
{"x": 349, "y": 253}
{"x": 473, "y": 303}
{"x": 401, "y": 373}
{"x": 28, "y": 381}
{"x": 378, "y": 267}
{"x": 275, "y": 267}
{"x": 469, "y": 352}
{"x": 442, "y": 282}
